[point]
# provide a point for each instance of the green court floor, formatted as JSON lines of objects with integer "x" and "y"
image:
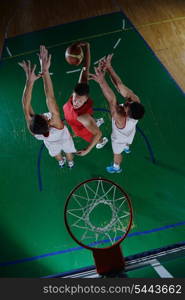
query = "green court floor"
{"x": 34, "y": 240}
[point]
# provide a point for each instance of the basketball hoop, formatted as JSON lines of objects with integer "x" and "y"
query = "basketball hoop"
{"x": 98, "y": 216}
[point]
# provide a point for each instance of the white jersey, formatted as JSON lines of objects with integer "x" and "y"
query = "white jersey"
{"x": 124, "y": 135}
{"x": 58, "y": 139}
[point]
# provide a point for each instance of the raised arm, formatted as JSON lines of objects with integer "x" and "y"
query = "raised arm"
{"x": 31, "y": 77}
{"x": 86, "y": 62}
{"x": 99, "y": 77}
{"x": 122, "y": 88}
{"x": 45, "y": 62}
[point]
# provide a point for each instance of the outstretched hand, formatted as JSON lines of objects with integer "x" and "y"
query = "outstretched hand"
{"x": 105, "y": 63}
{"x": 82, "y": 152}
{"x": 29, "y": 70}
{"x": 81, "y": 44}
{"x": 45, "y": 59}
{"x": 98, "y": 76}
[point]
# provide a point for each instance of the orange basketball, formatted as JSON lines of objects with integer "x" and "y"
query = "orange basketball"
{"x": 74, "y": 55}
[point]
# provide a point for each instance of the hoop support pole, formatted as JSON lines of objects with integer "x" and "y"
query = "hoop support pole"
{"x": 109, "y": 261}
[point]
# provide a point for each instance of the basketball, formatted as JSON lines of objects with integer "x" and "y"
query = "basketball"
{"x": 74, "y": 55}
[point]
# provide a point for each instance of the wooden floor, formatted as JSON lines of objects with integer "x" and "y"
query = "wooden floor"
{"x": 161, "y": 22}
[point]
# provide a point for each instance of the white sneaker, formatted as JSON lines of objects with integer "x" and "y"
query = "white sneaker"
{"x": 62, "y": 162}
{"x": 70, "y": 164}
{"x": 101, "y": 145}
{"x": 99, "y": 122}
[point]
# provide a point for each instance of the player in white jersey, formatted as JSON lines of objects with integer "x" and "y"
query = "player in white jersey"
{"x": 124, "y": 116}
{"x": 48, "y": 126}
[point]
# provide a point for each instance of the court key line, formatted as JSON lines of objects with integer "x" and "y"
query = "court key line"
{"x": 3, "y": 264}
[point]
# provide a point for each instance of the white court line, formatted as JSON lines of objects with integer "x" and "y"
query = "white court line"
{"x": 49, "y": 73}
{"x": 73, "y": 71}
{"x": 96, "y": 62}
{"x": 117, "y": 43}
{"x": 7, "y": 49}
{"x": 123, "y": 26}
{"x": 160, "y": 269}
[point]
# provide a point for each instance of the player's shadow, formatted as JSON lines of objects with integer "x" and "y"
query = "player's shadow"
{"x": 16, "y": 261}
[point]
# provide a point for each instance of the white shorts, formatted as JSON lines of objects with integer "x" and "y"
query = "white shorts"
{"x": 64, "y": 144}
{"x": 118, "y": 147}
{"x": 67, "y": 147}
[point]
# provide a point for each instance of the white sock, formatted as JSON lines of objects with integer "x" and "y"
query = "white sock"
{"x": 117, "y": 167}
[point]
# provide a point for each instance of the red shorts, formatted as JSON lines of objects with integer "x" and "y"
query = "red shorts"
{"x": 84, "y": 134}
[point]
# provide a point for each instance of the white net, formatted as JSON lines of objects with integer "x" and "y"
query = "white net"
{"x": 98, "y": 213}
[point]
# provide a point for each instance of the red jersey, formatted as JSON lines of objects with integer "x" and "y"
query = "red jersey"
{"x": 72, "y": 114}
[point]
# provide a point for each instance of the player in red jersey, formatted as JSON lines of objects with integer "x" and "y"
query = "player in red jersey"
{"x": 78, "y": 110}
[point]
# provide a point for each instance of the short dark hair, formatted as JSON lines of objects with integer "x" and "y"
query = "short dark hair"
{"x": 82, "y": 89}
{"x": 39, "y": 125}
{"x": 136, "y": 110}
